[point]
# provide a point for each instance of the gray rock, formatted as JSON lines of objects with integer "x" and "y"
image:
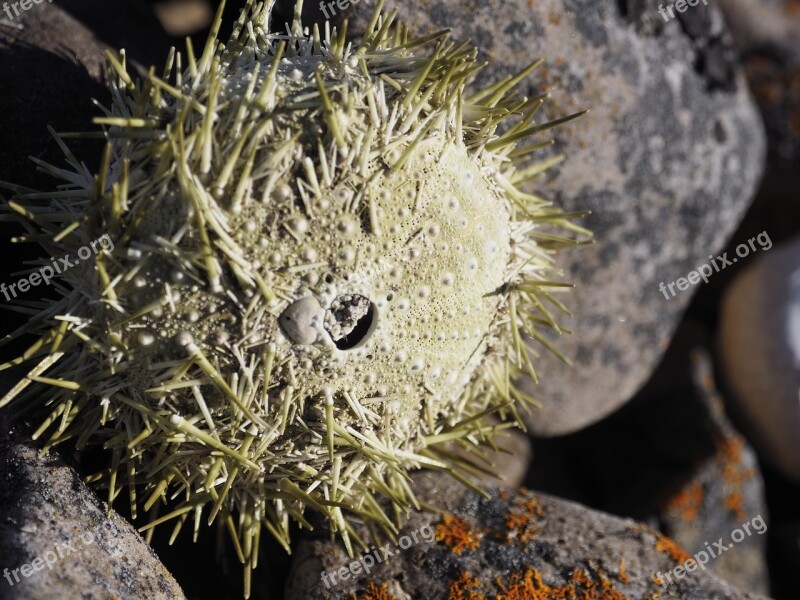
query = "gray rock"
{"x": 725, "y": 492}
{"x": 759, "y": 347}
{"x": 525, "y": 545}
{"x": 300, "y": 321}
{"x": 759, "y": 23}
{"x": 667, "y": 160}
{"x": 57, "y": 540}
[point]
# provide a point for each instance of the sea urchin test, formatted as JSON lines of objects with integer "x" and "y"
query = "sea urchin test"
{"x": 322, "y": 272}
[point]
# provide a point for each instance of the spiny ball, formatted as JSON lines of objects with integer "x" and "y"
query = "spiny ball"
{"x": 322, "y": 271}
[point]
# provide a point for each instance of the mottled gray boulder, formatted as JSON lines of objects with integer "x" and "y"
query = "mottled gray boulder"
{"x": 667, "y": 160}
{"x": 57, "y": 541}
{"x": 759, "y": 348}
{"x": 511, "y": 545}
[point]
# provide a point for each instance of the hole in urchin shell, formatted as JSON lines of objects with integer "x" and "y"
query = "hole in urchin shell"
{"x": 350, "y": 320}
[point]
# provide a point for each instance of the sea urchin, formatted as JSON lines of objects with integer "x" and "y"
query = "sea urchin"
{"x": 322, "y": 271}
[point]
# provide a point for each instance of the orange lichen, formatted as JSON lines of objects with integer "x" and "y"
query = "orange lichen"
{"x": 373, "y": 592}
{"x": 530, "y": 586}
{"x": 670, "y": 548}
{"x": 623, "y": 575}
{"x": 687, "y": 502}
{"x": 526, "y": 586}
{"x": 520, "y": 522}
{"x": 663, "y": 543}
{"x": 731, "y": 460}
{"x": 735, "y": 503}
{"x": 601, "y": 589}
{"x": 455, "y": 533}
{"x": 466, "y": 587}
{"x": 730, "y": 450}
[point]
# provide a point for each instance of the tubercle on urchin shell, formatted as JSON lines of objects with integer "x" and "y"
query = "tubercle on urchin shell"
{"x": 134, "y": 355}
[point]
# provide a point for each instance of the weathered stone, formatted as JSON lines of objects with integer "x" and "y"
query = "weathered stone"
{"x": 510, "y": 545}
{"x": 57, "y": 539}
{"x": 506, "y": 466}
{"x": 724, "y": 493}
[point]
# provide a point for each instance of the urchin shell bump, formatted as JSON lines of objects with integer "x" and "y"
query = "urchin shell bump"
{"x": 323, "y": 267}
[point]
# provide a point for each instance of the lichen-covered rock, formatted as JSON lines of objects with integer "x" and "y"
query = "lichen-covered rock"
{"x": 509, "y": 546}
{"x": 671, "y": 458}
{"x": 759, "y": 347}
{"x": 58, "y": 541}
{"x": 724, "y": 492}
{"x": 669, "y": 157}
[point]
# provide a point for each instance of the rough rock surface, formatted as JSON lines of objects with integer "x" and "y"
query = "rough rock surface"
{"x": 667, "y": 160}
{"x": 767, "y": 36}
{"x": 759, "y": 346}
{"x": 511, "y": 546}
{"x": 724, "y": 492}
{"x": 58, "y": 541}
{"x": 671, "y": 458}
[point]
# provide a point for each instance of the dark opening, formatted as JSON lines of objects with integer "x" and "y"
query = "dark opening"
{"x": 359, "y": 332}
{"x": 350, "y": 320}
